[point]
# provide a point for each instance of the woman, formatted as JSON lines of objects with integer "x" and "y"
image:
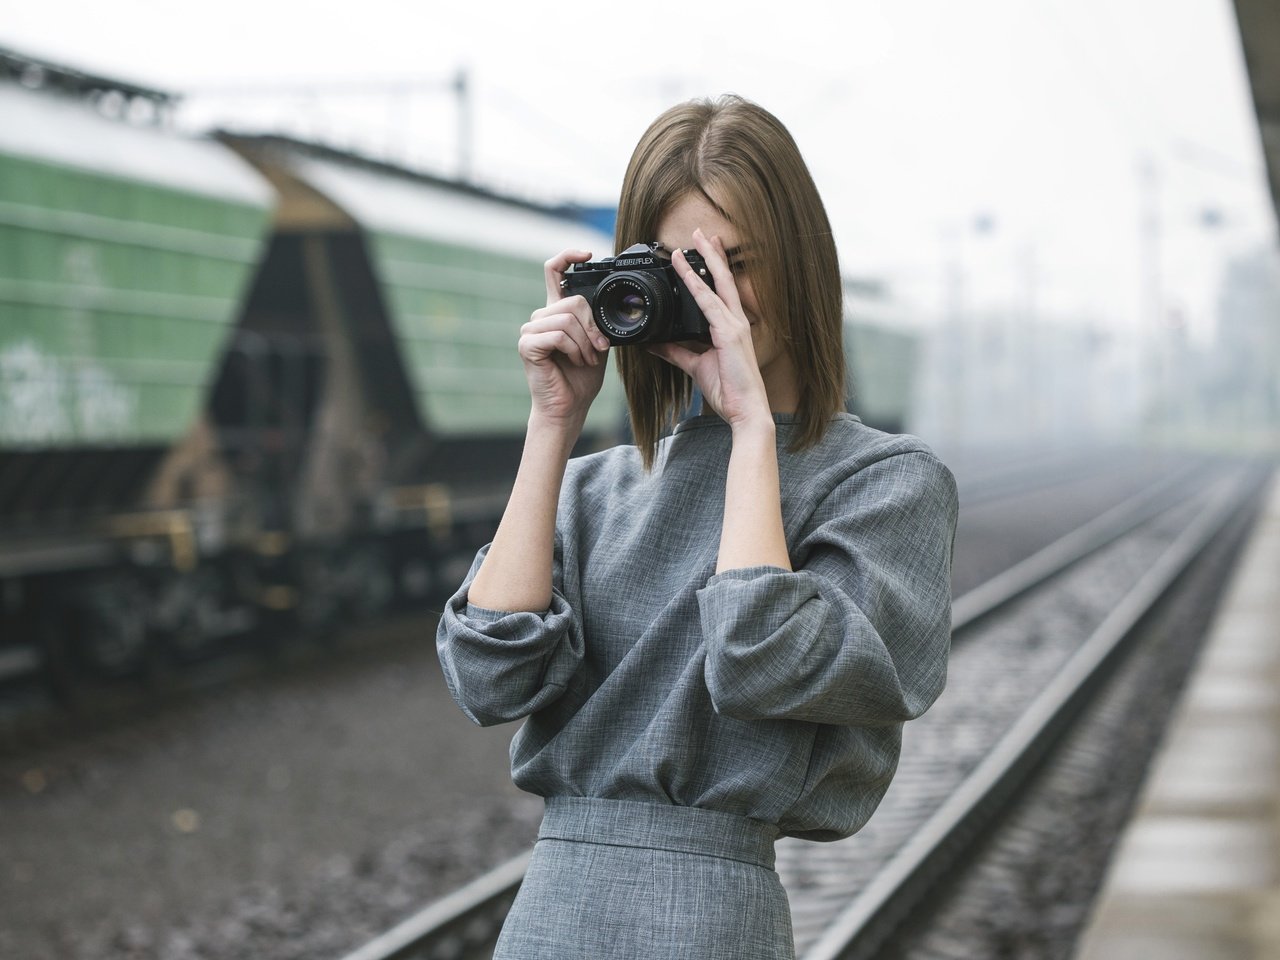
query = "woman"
{"x": 715, "y": 637}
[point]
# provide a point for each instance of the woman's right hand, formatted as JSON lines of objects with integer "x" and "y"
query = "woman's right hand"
{"x": 563, "y": 351}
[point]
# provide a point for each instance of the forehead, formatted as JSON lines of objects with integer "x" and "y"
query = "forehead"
{"x": 676, "y": 226}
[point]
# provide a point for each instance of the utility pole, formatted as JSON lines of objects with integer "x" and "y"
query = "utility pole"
{"x": 952, "y": 244}
{"x": 1029, "y": 336}
{"x": 462, "y": 93}
{"x": 1151, "y": 341}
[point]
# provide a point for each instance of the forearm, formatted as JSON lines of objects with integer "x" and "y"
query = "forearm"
{"x": 752, "y": 533}
{"x": 516, "y": 573}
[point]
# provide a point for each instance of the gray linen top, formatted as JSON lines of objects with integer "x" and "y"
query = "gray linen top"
{"x": 772, "y": 694}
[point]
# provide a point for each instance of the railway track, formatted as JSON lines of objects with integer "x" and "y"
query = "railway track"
{"x": 1031, "y": 645}
{"x": 1046, "y": 471}
{"x": 28, "y": 701}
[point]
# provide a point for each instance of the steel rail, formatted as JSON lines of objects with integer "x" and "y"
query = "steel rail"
{"x": 1067, "y": 550}
{"x": 446, "y": 928}
{"x": 1038, "y": 477}
{"x": 864, "y": 926}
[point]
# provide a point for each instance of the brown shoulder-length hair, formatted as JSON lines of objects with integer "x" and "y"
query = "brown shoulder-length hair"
{"x": 741, "y": 159}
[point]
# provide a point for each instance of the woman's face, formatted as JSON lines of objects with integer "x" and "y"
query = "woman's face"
{"x": 675, "y": 230}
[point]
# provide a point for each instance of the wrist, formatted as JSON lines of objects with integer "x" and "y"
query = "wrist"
{"x": 557, "y": 433}
{"x": 756, "y": 426}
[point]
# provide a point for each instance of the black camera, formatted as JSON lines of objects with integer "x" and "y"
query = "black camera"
{"x": 637, "y": 297}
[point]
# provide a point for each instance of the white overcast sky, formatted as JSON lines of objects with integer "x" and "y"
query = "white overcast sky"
{"x": 915, "y": 115}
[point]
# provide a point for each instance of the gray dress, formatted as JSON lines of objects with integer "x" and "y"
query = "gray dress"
{"x": 664, "y": 700}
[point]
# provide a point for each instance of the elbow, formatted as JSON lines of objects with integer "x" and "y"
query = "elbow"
{"x": 488, "y": 701}
{"x": 481, "y": 710}
{"x": 926, "y": 692}
{"x": 777, "y": 675}
{"x": 919, "y": 688}
{"x": 488, "y": 697}
{"x": 733, "y": 701}
{"x": 509, "y": 667}
{"x": 486, "y": 708}
{"x": 488, "y": 715}
{"x": 746, "y": 687}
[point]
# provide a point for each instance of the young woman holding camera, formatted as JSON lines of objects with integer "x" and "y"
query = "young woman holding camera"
{"x": 715, "y": 636}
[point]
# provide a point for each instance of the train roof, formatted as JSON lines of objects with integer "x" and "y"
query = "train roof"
{"x": 391, "y": 199}
{"x": 61, "y": 123}
{"x": 33, "y": 71}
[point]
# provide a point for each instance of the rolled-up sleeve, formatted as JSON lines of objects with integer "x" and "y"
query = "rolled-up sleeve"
{"x": 502, "y": 666}
{"x": 859, "y": 632}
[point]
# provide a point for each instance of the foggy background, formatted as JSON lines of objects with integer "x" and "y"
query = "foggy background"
{"x": 1089, "y": 171}
{"x": 259, "y": 406}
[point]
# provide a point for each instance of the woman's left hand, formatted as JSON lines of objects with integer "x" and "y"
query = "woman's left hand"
{"x": 726, "y": 372}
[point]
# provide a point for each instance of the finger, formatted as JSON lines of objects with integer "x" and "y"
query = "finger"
{"x": 712, "y": 250}
{"x": 676, "y": 355}
{"x": 581, "y": 309}
{"x": 571, "y": 326}
{"x": 551, "y": 309}
{"x": 554, "y": 270}
{"x": 713, "y": 308}
{"x": 586, "y": 331}
{"x": 546, "y": 344}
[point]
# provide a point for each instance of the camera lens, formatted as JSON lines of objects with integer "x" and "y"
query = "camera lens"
{"x": 632, "y": 305}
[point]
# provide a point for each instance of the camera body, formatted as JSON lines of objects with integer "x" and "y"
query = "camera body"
{"x": 637, "y": 297}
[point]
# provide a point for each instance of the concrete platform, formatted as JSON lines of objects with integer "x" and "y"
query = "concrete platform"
{"x": 1197, "y": 875}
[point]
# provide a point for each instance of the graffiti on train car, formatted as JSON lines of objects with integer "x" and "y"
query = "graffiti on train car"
{"x": 47, "y": 399}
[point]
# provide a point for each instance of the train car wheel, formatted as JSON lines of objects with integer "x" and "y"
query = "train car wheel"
{"x": 111, "y": 626}
{"x": 369, "y": 579}
{"x": 320, "y": 597}
{"x": 189, "y": 614}
{"x": 58, "y": 663}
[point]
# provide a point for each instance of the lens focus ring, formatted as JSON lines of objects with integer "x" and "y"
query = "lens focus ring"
{"x": 632, "y": 305}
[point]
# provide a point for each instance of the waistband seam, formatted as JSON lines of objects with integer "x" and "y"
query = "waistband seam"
{"x": 672, "y": 828}
{"x": 652, "y": 846}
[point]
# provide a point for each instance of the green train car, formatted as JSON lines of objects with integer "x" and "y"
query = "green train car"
{"x": 247, "y": 379}
{"x": 240, "y": 378}
{"x": 124, "y": 256}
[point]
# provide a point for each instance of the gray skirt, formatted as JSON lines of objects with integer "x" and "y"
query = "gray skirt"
{"x": 620, "y": 879}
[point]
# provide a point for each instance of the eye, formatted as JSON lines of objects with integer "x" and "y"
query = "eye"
{"x": 737, "y": 262}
